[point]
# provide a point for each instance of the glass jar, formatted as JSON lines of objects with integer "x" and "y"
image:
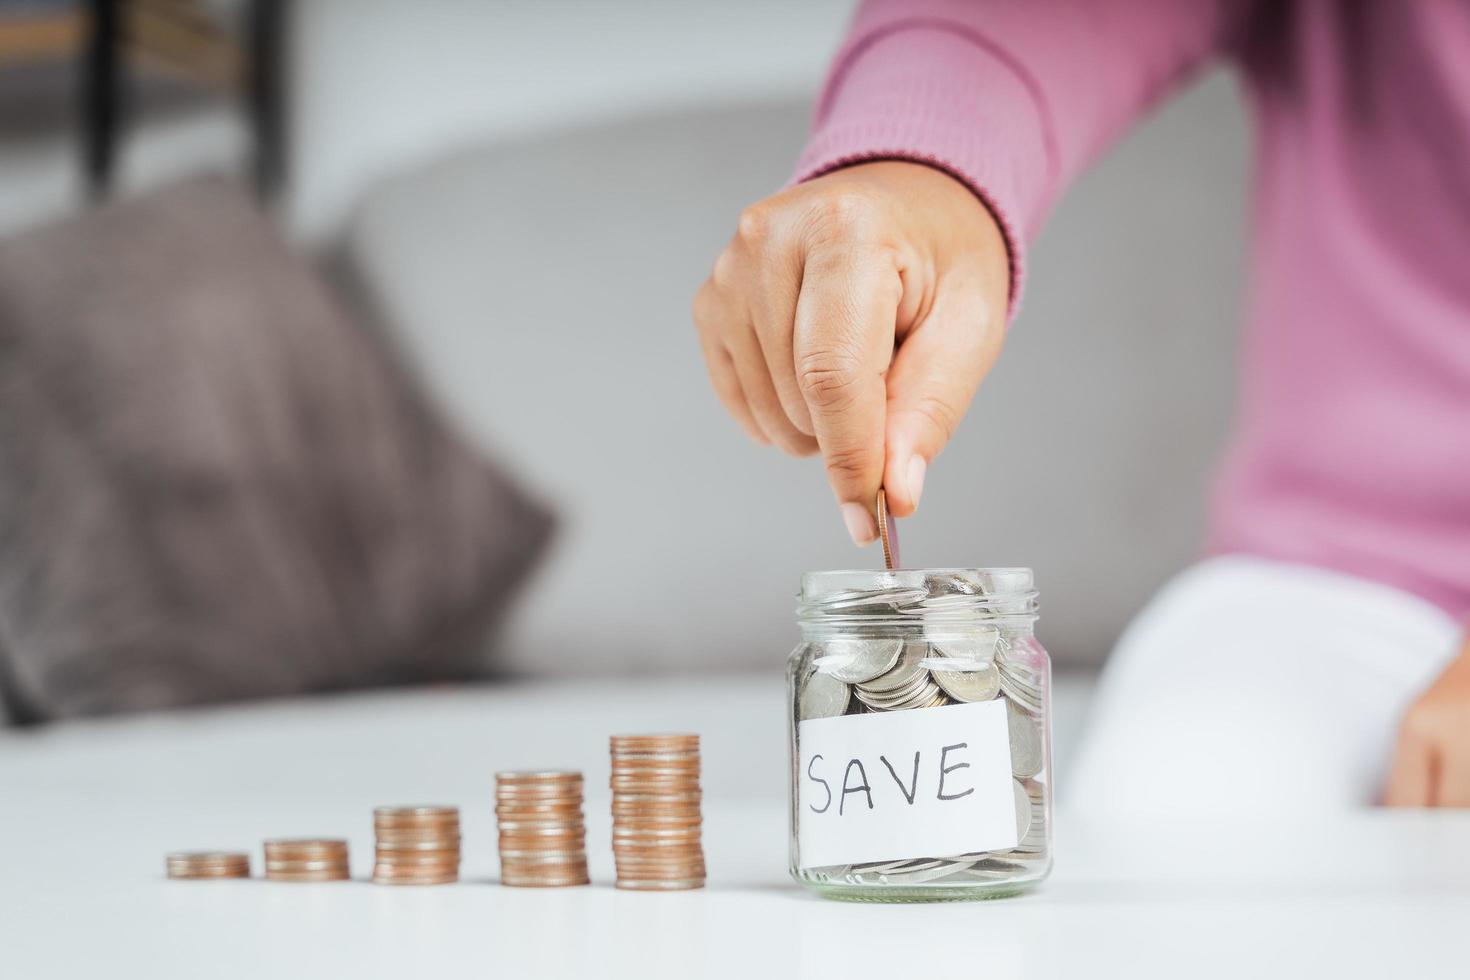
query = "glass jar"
{"x": 920, "y": 735}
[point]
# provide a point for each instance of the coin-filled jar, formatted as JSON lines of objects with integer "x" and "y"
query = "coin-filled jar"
{"x": 920, "y": 735}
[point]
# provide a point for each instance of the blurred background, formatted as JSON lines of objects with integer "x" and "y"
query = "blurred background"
{"x": 516, "y": 201}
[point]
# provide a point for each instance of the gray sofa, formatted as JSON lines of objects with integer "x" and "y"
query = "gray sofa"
{"x": 541, "y": 288}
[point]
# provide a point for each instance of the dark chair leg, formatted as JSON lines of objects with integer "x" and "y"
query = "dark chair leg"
{"x": 102, "y": 95}
{"x": 265, "y": 92}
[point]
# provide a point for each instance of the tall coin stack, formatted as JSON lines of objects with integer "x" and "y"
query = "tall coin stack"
{"x": 656, "y": 812}
{"x": 543, "y": 839}
{"x": 416, "y": 845}
{"x": 306, "y": 860}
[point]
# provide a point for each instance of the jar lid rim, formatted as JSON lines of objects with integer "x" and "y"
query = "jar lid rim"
{"x": 997, "y": 580}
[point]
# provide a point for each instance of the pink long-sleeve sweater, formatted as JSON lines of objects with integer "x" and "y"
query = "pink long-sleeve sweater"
{"x": 1352, "y": 443}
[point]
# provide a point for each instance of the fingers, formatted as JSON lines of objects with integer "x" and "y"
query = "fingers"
{"x": 737, "y": 364}
{"x": 778, "y": 274}
{"x": 842, "y": 343}
{"x": 1411, "y": 777}
{"x": 935, "y": 373}
{"x": 707, "y": 317}
{"x": 760, "y": 392}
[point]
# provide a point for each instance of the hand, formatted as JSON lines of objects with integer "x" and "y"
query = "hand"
{"x": 1432, "y": 764}
{"x": 855, "y": 314}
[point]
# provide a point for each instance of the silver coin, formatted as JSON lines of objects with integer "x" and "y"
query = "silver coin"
{"x": 883, "y": 699}
{"x": 988, "y": 873}
{"x": 949, "y": 604}
{"x": 977, "y": 679}
{"x": 887, "y": 867}
{"x": 906, "y": 671}
{"x": 857, "y": 600}
{"x": 1020, "y": 683}
{"x": 1023, "y": 807}
{"x": 1022, "y": 701}
{"x": 990, "y": 862}
{"x": 855, "y": 661}
{"x": 923, "y": 692}
{"x": 969, "y": 685}
{"x": 976, "y": 649}
{"x": 952, "y": 583}
{"x": 1027, "y": 753}
{"x": 943, "y": 869}
{"x": 939, "y": 700}
{"x": 823, "y": 696}
{"x": 1018, "y": 678}
{"x": 930, "y": 695}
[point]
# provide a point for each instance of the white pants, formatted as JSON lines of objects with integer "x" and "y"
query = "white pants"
{"x": 1255, "y": 687}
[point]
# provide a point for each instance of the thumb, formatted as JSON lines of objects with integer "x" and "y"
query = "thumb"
{"x": 932, "y": 380}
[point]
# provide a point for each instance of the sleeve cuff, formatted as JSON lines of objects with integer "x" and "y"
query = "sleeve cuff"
{"x": 947, "y": 99}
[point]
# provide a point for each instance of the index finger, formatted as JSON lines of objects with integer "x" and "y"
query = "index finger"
{"x": 842, "y": 344}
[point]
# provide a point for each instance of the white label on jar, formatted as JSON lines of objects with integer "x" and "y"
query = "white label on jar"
{"x": 894, "y": 785}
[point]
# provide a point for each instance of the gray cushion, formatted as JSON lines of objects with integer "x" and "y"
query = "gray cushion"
{"x": 213, "y": 483}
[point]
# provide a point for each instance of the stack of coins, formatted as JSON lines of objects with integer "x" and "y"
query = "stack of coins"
{"x": 656, "y": 812}
{"x": 416, "y": 845}
{"x": 208, "y": 864}
{"x": 543, "y": 841}
{"x": 306, "y": 860}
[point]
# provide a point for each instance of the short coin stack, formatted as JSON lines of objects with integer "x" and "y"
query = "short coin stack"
{"x": 656, "y": 812}
{"x": 306, "y": 860}
{"x": 208, "y": 864}
{"x": 416, "y": 845}
{"x": 543, "y": 839}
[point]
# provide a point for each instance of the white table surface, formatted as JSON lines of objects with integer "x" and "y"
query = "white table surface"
{"x": 87, "y": 812}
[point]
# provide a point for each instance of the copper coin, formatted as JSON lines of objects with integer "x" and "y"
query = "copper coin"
{"x": 665, "y": 742}
{"x": 623, "y": 787}
{"x": 683, "y": 763}
{"x": 527, "y": 859}
{"x": 653, "y": 872}
{"x": 553, "y": 804}
{"x": 537, "y": 881}
{"x": 519, "y": 791}
{"x": 207, "y": 864}
{"x": 666, "y": 869}
{"x": 576, "y": 843}
{"x": 680, "y": 815}
{"x": 686, "y": 884}
{"x": 656, "y": 831}
{"x": 640, "y": 804}
{"x": 303, "y": 864}
{"x": 537, "y": 821}
{"x": 207, "y": 858}
{"x": 415, "y": 816}
{"x": 689, "y": 870}
{"x": 666, "y": 774}
{"x": 307, "y": 875}
{"x": 440, "y": 880}
{"x": 385, "y": 869}
{"x": 650, "y": 796}
{"x": 418, "y": 812}
{"x": 545, "y": 808}
{"x": 887, "y": 532}
{"x": 665, "y": 849}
